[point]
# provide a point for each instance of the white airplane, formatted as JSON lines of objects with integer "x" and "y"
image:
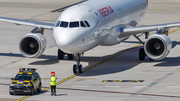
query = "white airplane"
{"x": 96, "y": 22}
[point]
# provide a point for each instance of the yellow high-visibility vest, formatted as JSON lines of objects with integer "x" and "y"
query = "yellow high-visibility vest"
{"x": 53, "y": 81}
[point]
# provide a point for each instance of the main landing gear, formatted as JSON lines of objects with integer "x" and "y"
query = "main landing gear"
{"x": 142, "y": 53}
{"x": 61, "y": 55}
{"x": 77, "y": 67}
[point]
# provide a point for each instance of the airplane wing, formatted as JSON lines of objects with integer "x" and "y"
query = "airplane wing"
{"x": 142, "y": 29}
{"x": 36, "y": 23}
{"x": 28, "y": 23}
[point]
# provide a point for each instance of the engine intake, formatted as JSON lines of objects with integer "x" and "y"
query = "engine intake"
{"x": 32, "y": 45}
{"x": 158, "y": 46}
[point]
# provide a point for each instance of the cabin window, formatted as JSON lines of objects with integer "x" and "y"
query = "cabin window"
{"x": 74, "y": 24}
{"x": 64, "y": 24}
{"x": 87, "y": 23}
{"x": 82, "y": 24}
{"x": 57, "y": 24}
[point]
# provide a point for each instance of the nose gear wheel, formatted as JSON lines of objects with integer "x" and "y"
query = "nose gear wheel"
{"x": 77, "y": 67}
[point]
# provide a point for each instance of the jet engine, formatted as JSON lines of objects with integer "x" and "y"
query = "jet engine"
{"x": 32, "y": 45}
{"x": 157, "y": 46}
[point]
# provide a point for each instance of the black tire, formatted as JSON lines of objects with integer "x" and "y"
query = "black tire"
{"x": 32, "y": 91}
{"x": 11, "y": 93}
{"x": 142, "y": 54}
{"x": 74, "y": 69}
{"x": 39, "y": 89}
{"x": 60, "y": 54}
{"x": 80, "y": 68}
{"x": 70, "y": 56}
{"x": 151, "y": 59}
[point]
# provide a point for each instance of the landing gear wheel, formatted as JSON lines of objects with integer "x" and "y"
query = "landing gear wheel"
{"x": 74, "y": 69}
{"x": 142, "y": 54}
{"x": 32, "y": 91}
{"x": 80, "y": 68}
{"x": 77, "y": 68}
{"x": 10, "y": 93}
{"x": 151, "y": 59}
{"x": 39, "y": 89}
{"x": 70, "y": 56}
{"x": 60, "y": 54}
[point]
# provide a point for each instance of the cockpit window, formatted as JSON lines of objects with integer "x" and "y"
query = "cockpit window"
{"x": 87, "y": 23}
{"x": 82, "y": 24}
{"x": 57, "y": 24}
{"x": 64, "y": 24}
{"x": 74, "y": 24}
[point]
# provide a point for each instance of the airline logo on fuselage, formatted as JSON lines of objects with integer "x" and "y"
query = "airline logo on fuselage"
{"x": 106, "y": 11}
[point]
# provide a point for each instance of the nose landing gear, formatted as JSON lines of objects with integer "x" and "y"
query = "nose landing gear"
{"x": 77, "y": 67}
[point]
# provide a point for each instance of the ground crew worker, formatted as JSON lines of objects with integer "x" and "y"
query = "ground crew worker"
{"x": 53, "y": 84}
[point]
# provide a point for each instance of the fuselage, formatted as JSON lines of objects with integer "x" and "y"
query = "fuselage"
{"x": 96, "y": 22}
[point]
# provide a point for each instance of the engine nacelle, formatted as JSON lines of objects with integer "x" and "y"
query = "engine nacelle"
{"x": 157, "y": 46}
{"x": 32, "y": 45}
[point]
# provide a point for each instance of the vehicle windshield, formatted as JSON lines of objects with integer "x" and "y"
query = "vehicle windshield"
{"x": 23, "y": 77}
{"x": 74, "y": 24}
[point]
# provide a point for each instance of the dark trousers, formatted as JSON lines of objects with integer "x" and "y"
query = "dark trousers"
{"x": 53, "y": 89}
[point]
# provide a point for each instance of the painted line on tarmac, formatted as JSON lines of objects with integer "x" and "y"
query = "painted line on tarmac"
{"x": 44, "y": 86}
{"x": 57, "y": 78}
{"x": 76, "y": 78}
{"x": 174, "y": 30}
{"x": 64, "y": 8}
{"x": 117, "y": 54}
{"x": 123, "y": 81}
{"x": 76, "y": 86}
{"x": 115, "y": 92}
{"x": 68, "y": 78}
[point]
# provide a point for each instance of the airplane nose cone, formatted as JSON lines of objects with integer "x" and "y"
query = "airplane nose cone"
{"x": 64, "y": 39}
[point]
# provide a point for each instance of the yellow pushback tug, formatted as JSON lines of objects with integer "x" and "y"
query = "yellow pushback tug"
{"x": 25, "y": 82}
